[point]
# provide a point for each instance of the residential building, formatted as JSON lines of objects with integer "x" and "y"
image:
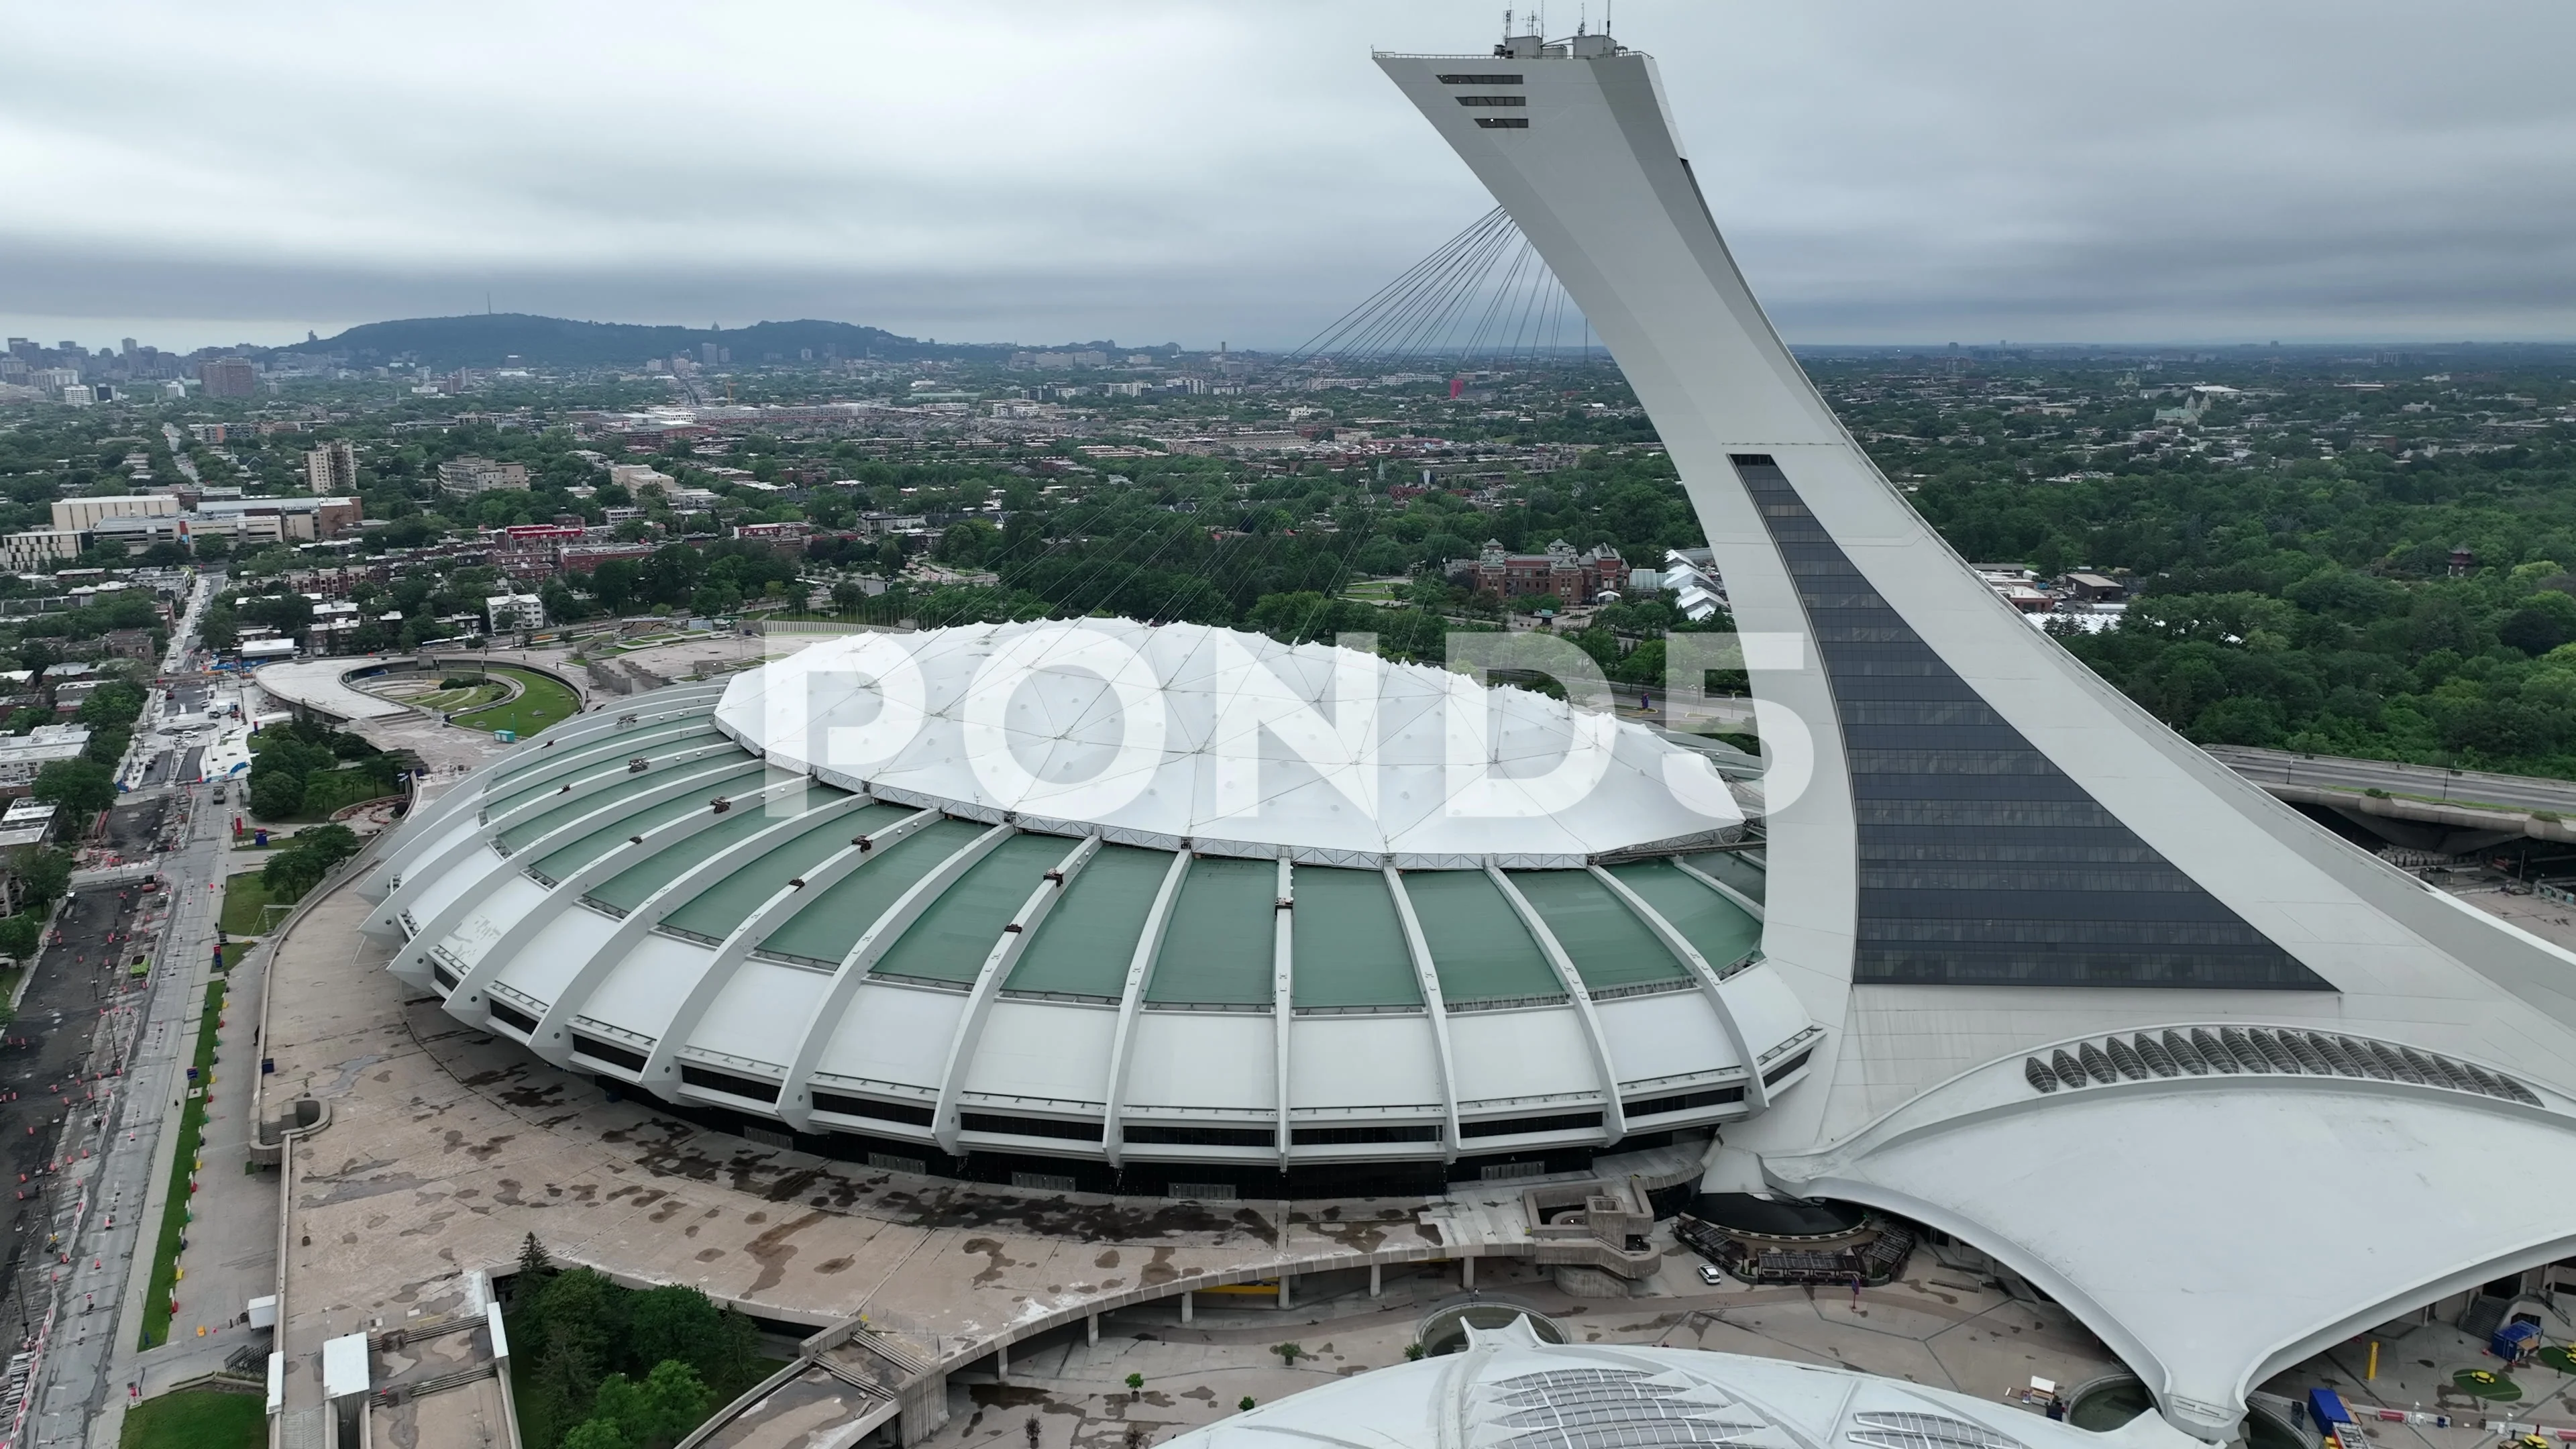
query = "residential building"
{"x": 332, "y": 468}
{"x": 466, "y": 477}
{"x": 514, "y": 611}
{"x": 21, "y": 756}
{"x": 130, "y": 644}
{"x": 26, "y": 822}
{"x": 581, "y": 558}
{"x": 228, "y": 377}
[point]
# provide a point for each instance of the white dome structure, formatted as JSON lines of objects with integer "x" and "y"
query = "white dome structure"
{"x": 1509, "y": 1390}
{"x": 1103, "y": 904}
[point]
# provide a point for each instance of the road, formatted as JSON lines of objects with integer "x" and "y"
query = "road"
{"x": 2432, "y": 782}
{"x": 93, "y": 1147}
{"x": 70, "y": 1070}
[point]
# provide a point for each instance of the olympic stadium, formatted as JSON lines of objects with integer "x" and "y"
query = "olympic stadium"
{"x": 741, "y": 902}
{"x": 1100, "y": 906}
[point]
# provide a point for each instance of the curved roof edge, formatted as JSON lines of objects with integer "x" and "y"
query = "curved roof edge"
{"x": 2177, "y": 1215}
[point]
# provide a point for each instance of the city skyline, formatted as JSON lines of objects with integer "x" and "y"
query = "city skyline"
{"x": 1999, "y": 173}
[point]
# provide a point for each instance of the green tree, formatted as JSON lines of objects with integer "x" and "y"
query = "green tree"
{"x": 43, "y": 873}
{"x": 276, "y": 795}
{"x": 966, "y": 543}
{"x": 113, "y": 703}
{"x": 79, "y": 787}
{"x": 575, "y": 1321}
{"x": 681, "y": 1323}
{"x": 219, "y": 629}
{"x": 613, "y": 582}
{"x": 595, "y": 1434}
{"x": 657, "y": 1412}
{"x": 21, "y": 936}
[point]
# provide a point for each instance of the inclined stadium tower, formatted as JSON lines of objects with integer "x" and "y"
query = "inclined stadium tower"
{"x": 2016, "y": 963}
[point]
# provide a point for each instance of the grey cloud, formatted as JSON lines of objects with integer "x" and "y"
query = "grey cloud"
{"x": 1197, "y": 171}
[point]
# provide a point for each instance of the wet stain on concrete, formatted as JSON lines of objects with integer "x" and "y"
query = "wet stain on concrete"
{"x": 995, "y": 1262}
{"x": 771, "y": 1251}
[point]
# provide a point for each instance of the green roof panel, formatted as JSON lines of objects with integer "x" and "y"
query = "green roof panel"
{"x": 828, "y": 928}
{"x": 563, "y": 860}
{"x": 1608, "y": 945}
{"x": 622, "y": 818}
{"x": 612, "y": 787}
{"x": 953, "y": 936}
{"x": 628, "y": 888}
{"x": 1478, "y": 945}
{"x": 715, "y": 911}
{"x": 1349, "y": 942}
{"x": 1217, "y": 949}
{"x": 1734, "y": 868}
{"x": 1719, "y": 929}
{"x": 1085, "y": 944}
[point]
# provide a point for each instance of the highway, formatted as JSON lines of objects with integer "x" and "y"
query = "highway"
{"x": 2430, "y": 782}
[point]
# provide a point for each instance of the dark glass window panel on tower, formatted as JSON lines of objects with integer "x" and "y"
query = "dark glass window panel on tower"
{"x": 1979, "y": 861}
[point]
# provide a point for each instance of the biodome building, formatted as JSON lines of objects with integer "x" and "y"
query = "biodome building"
{"x": 1132, "y": 908}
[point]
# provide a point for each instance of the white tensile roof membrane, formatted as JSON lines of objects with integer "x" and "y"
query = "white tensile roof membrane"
{"x": 1160, "y": 734}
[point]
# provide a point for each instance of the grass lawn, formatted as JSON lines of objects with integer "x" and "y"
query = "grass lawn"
{"x": 472, "y": 697}
{"x": 174, "y": 1214}
{"x": 197, "y": 1419}
{"x": 541, "y": 702}
{"x": 245, "y": 905}
{"x": 233, "y": 952}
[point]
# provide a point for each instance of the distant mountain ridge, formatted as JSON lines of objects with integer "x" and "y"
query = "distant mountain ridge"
{"x": 489, "y": 339}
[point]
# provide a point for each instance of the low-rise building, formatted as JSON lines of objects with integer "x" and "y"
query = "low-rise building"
{"x": 1572, "y": 576}
{"x": 505, "y": 612}
{"x": 38, "y": 549}
{"x": 467, "y": 477}
{"x": 581, "y": 558}
{"x": 631, "y": 476}
{"x": 80, "y": 515}
{"x": 25, "y": 822}
{"x": 21, "y": 756}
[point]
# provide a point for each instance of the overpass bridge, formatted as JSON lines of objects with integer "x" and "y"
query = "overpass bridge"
{"x": 2417, "y": 807}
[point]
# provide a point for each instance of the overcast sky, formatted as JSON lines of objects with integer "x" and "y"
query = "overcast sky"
{"x": 1205, "y": 170}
